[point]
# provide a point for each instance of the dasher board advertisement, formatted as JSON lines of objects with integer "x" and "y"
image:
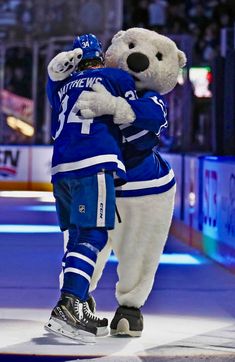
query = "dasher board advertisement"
{"x": 219, "y": 208}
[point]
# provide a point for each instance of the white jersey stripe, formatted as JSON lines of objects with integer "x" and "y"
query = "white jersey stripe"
{"x": 137, "y": 135}
{"x": 161, "y": 104}
{"x": 123, "y": 126}
{"x": 160, "y": 128}
{"x": 78, "y": 271}
{"x": 91, "y": 161}
{"x": 80, "y": 256}
{"x": 101, "y": 203}
{"x": 136, "y": 185}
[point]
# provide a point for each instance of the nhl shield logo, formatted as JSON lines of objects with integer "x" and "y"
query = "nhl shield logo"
{"x": 82, "y": 209}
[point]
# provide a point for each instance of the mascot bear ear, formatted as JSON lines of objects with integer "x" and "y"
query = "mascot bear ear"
{"x": 118, "y": 35}
{"x": 182, "y": 59}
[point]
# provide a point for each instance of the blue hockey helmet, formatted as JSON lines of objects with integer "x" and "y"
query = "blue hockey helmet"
{"x": 91, "y": 46}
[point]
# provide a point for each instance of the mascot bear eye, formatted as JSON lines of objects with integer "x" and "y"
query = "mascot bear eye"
{"x": 131, "y": 45}
{"x": 159, "y": 56}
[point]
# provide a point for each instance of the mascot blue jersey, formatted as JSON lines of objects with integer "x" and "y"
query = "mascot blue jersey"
{"x": 83, "y": 147}
{"x": 147, "y": 172}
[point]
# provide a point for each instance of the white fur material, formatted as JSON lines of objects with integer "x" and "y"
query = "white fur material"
{"x": 161, "y": 75}
{"x": 138, "y": 242}
{"x": 63, "y": 64}
{"x": 99, "y": 267}
{"x": 100, "y": 102}
{"x": 123, "y": 113}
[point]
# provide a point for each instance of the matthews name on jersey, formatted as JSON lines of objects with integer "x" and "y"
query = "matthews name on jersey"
{"x": 147, "y": 172}
{"x": 83, "y": 147}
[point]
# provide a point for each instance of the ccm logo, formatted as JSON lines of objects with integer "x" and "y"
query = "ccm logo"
{"x": 101, "y": 211}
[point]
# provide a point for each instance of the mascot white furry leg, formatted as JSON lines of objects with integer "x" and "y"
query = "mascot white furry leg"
{"x": 138, "y": 246}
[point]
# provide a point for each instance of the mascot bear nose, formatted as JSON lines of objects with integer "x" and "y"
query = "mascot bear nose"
{"x": 137, "y": 62}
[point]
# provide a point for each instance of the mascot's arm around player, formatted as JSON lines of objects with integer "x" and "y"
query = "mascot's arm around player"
{"x": 146, "y": 202}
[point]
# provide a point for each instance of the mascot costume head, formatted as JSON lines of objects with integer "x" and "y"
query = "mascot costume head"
{"x": 152, "y": 59}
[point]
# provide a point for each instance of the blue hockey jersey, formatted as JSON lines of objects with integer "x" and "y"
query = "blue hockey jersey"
{"x": 83, "y": 147}
{"x": 147, "y": 172}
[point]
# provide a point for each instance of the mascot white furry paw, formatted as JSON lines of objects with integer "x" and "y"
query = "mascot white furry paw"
{"x": 146, "y": 202}
{"x": 63, "y": 64}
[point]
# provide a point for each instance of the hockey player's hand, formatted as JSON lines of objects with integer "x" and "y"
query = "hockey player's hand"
{"x": 101, "y": 102}
{"x": 63, "y": 64}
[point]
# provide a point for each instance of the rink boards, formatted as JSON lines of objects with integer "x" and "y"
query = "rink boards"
{"x": 204, "y": 215}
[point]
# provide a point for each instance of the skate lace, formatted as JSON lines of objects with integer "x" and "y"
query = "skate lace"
{"x": 88, "y": 312}
{"x": 78, "y": 307}
{"x": 82, "y": 309}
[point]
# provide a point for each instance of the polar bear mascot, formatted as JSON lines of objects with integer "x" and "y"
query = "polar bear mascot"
{"x": 146, "y": 202}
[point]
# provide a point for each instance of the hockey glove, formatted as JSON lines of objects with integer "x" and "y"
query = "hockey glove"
{"x": 63, "y": 64}
{"x": 101, "y": 102}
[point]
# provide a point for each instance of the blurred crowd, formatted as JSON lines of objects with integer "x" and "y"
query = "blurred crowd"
{"x": 18, "y": 74}
{"x": 203, "y": 20}
{"x": 42, "y": 19}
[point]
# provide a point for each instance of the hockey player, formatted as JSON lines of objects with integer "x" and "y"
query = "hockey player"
{"x": 86, "y": 155}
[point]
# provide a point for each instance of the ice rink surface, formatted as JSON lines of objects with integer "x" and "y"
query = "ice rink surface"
{"x": 189, "y": 315}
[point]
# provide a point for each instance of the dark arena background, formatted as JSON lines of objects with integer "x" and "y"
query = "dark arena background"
{"x": 190, "y": 313}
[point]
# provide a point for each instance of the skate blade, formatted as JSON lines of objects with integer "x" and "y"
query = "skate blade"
{"x": 102, "y": 332}
{"x": 63, "y": 329}
{"x": 123, "y": 330}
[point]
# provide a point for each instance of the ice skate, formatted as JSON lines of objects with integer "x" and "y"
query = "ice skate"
{"x": 100, "y": 324}
{"x": 73, "y": 319}
{"x": 128, "y": 321}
